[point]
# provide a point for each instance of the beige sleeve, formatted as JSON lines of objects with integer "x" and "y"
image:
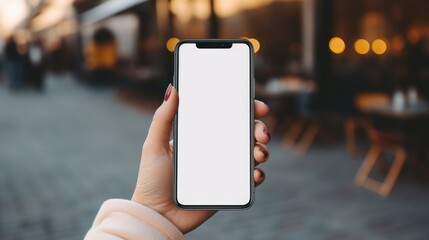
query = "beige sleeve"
{"x": 124, "y": 219}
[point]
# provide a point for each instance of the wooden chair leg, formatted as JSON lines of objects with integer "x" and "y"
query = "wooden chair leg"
{"x": 394, "y": 171}
{"x": 290, "y": 137}
{"x": 384, "y": 188}
{"x": 367, "y": 164}
{"x": 307, "y": 139}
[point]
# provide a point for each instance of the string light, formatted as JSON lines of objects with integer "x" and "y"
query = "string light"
{"x": 337, "y": 45}
{"x": 379, "y": 46}
{"x": 362, "y": 46}
{"x": 171, "y": 43}
{"x": 255, "y": 43}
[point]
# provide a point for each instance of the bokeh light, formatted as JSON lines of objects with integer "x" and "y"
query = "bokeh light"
{"x": 201, "y": 9}
{"x": 413, "y": 36}
{"x": 12, "y": 13}
{"x": 379, "y": 46}
{"x": 337, "y": 45}
{"x": 171, "y": 43}
{"x": 255, "y": 43}
{"x": 398, "y": 43}
{"x": 362, "y": 46}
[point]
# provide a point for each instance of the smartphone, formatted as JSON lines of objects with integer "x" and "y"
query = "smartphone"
{"x": 214, "y": 125}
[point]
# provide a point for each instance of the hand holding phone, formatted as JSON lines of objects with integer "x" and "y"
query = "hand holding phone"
{"x": 154, "y": 187}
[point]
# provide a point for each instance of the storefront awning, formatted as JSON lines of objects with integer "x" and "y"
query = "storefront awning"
{"x": 107, "y": 9}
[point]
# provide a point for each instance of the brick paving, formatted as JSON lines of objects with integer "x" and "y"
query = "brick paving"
{"x": 63, "y": 152}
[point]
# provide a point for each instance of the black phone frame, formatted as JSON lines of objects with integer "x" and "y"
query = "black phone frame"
{"x": 216, "y": 43}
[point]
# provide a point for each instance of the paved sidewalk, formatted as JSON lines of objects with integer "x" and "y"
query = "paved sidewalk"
{"x": 63, "y": 152}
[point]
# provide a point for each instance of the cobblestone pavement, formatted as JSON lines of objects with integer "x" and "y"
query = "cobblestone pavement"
{"x": 63, "y": 152}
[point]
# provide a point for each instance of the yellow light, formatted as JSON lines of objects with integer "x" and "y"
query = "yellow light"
{"x": 171, "y": 43}
{"x": 379, "y": 46}
{"x": 12, "y": 13}
{"x": 337, "y": 45}
{"x": 182, "y": 10}
{"x": 362, "y": 46}
{"x": 228, "y": 8}
{"x": 201, "y": 9}
{"x": 255, "y": 43}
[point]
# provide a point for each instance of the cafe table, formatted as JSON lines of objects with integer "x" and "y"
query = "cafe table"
{"x": 410, "y": 140}
{"x": 406, "y": 112}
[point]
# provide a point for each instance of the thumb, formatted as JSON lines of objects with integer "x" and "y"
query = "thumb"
{"x": 160, "y": 129}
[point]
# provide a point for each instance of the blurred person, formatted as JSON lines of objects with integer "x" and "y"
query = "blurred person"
{"x": 101, "y": 58}
{"x": 151, "y": 213}
{"x": 37, "y": 66}
{"x": 10, "y": 56}
{"x": 15, "y": 64}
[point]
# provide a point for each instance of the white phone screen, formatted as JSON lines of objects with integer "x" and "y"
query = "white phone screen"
{"x": 214, "y": 126}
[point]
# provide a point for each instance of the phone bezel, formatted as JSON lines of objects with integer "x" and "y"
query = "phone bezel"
{"x": 216, "y": 43}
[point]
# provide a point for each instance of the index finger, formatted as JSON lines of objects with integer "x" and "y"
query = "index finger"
{"x": 261, "y": 109}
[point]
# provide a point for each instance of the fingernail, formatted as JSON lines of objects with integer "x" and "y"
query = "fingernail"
{"x": 261, "y": 102}
{"x": 261, "y": 173}
{"x": 265, "y": 152}
{"x": 267, "y": 133}
{"x": 167, "y": 92}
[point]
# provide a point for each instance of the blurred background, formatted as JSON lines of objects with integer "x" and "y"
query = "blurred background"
{"x": 347, "y": 82}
